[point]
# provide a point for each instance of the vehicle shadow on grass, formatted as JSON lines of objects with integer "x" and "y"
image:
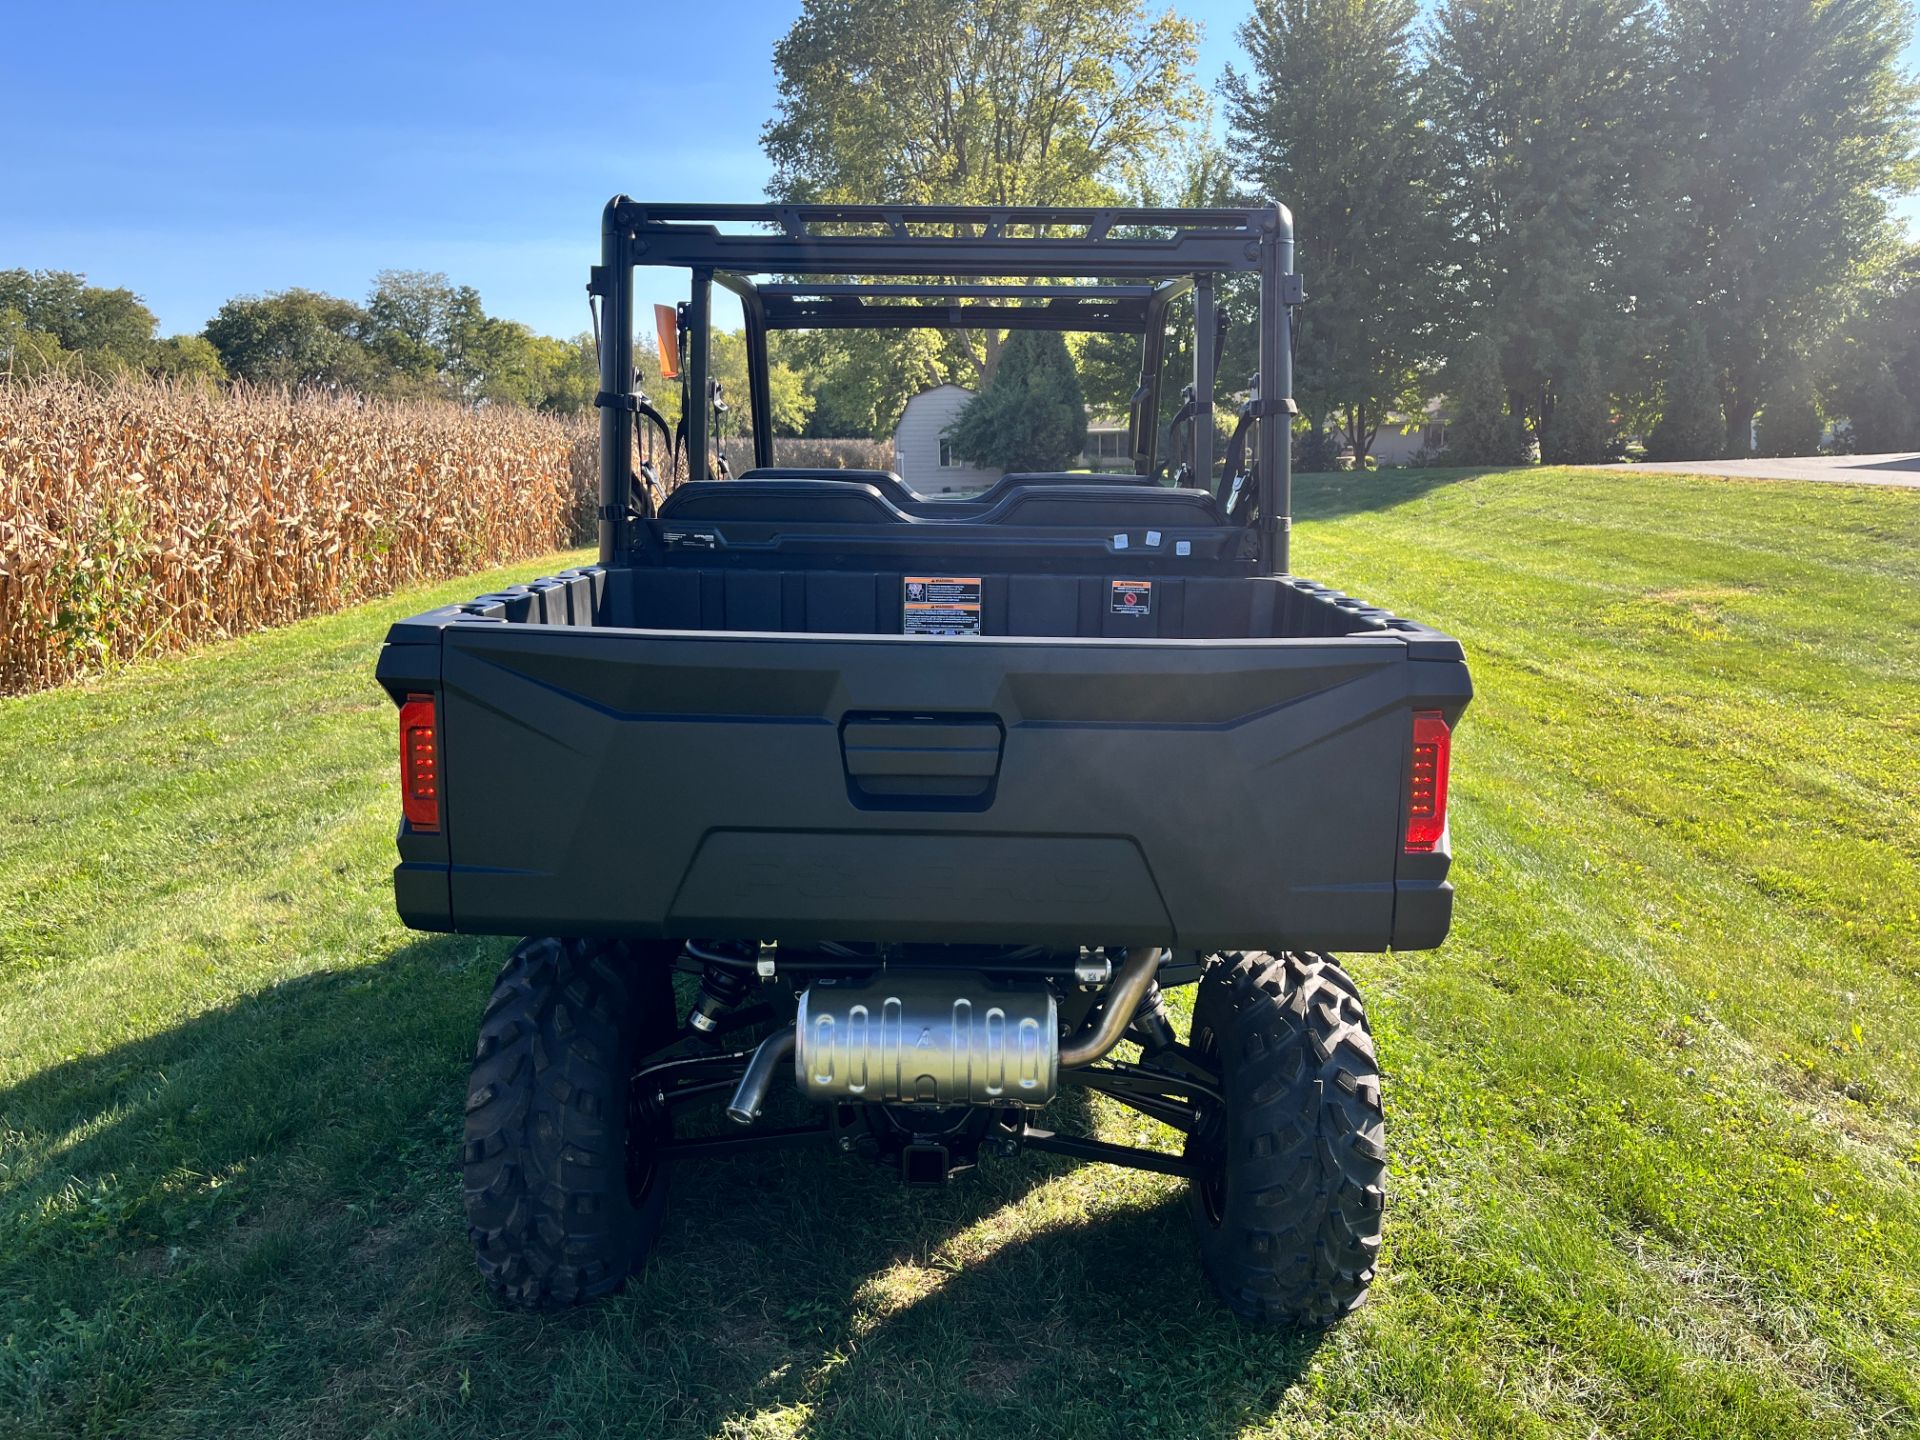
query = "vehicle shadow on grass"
{"x": 243, "y": 1212}
{"x": 1330, "y": 495}
{"x": 207, "y": 1200}
{"x": 1030, "y": 1296}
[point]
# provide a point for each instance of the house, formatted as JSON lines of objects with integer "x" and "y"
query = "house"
{"x": 1401, "y": 437}
{"x": 921, "y": 452}
{"x": 1108, "y": 450}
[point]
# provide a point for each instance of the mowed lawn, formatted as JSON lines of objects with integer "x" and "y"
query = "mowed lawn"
{"x": 1653, "y": 1112}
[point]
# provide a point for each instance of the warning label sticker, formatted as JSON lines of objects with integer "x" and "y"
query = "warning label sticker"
{"x": 1133, "y": 597}
{"x": 940, "y": 605}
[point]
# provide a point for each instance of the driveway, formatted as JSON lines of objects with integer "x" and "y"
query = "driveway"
{"x": 1897, "y": 470}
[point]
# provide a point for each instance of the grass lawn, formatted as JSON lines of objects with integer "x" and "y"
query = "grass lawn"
{"x": 1653, "y": 1112}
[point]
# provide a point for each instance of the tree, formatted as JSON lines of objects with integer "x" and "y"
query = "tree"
{"x": 572, "y": 386}
{"x": 1003, "y": 102}
{"x": 859, "y": 382}
{"x": 422, "y": 325}
{"x": 1332, "y": 125}
{"x": 295, "y": 337}
{"x": 1581, "y": 431}
{"x": 105, "y": 331}
{"x": 1790, "y": 420}
{"x": 1197, "y": 174}
{"x": 1798, "y": 127}
{"x": 1481, "y": 432}
{"x": 188, "y": 358}
{"x": 1553, "y": 142}
{"x": 1879, "y": 415}
{"x": 26, "y": 352}
{"x": 1691, "y": 426}
{"x": 1032, "y": 415}
{"x": 1881, "y": 326}
{"x": 789, "y": 402}
{"x": 1000, "y": 102}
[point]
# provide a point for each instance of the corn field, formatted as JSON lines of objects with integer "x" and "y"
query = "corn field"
{"x": 140, "y": 518}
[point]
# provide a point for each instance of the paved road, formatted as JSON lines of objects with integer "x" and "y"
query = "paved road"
{"x": 1898, "y": 470}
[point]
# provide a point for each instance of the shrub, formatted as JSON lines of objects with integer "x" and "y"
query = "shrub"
{"x": 1691, "y": 425}
{"x": 1032, "y": 415}
{"x": 1790, "y": 421}
{"x": 1316, "y": 450}
{"x": 1879, "y": 414}
{"x": 1481, "y": 431}
{"x": 1581, "y": 431}
{"x": 856, "y": 453}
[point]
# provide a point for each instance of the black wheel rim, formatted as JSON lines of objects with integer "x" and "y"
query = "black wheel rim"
{"x": 1209, "y": 1145}
{"x": 647, "y": 1124}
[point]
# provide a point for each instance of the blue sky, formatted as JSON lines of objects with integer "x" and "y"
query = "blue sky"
{"x": 193, "y": 152}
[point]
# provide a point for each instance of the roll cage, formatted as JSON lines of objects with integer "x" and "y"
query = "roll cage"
{"x": 1139, "y": 259}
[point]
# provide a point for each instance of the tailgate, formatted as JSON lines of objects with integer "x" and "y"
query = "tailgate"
{"x": 1211, "y": 794}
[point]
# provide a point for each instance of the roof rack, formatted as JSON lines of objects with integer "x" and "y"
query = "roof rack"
{"x": 1108, "y": 309}
{"x": 821, "y": 261}
{"x": 953, "y": 240}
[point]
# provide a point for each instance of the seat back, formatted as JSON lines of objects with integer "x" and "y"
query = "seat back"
{"x": 906, "y": 498}
{"x": 800, "y": 502}
{"x": 1112, "y": 507}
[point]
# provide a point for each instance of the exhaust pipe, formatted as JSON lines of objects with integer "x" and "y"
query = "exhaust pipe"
{"x": 751, "y": 1095}
{"x": 1123, "y": 999}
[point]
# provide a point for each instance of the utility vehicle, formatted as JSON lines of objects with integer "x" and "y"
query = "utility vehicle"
{"x": 935, "y": 798}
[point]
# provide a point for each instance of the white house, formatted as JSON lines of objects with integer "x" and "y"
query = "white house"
{"x": 1107, "y": 448}
{"x": 921, "y": 452}
{"x": 1402, "y": 437}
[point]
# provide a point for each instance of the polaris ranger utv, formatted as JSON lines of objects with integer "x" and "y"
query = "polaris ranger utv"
{"x": 935, "y": 796}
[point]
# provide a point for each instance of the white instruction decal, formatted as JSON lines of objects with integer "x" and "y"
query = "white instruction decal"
{"x": 940, "y": 605}
{"x": 1133, "y": 597}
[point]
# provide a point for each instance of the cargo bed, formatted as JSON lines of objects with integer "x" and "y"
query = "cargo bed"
{"x": 754, "y": 750}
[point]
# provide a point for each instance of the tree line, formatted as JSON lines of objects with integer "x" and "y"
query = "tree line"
{"x": 1574, "y": 219}
{"x": 416, "y": 336}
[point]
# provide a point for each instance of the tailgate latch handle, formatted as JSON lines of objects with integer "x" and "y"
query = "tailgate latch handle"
{"x": 913, "y": 761}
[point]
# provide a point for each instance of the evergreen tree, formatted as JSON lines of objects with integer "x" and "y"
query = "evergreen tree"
{"x": 1580, "y": 428}
{"x": 1798, "y": 128}
{"x": 1481, "y": 432}
{"x": 1314, "y": 450}
{"x": 1331, "y": 121}
{"x": 1032, "y": 415}
{"x": 1691, "y": 424}
{"x": 1790, "y": 421}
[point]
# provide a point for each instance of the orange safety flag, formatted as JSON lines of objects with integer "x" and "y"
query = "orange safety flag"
{"x": 666, "y": 324}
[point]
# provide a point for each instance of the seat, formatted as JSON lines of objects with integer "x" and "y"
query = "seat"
{"x": 785, "y": 501}
{"x": 1015, "y": 480}
{"x": 890, "y": 485}
{"x": 932, "y": 507}
{"x": 1101, "y": 506}
{"x": 1048, "y": 501}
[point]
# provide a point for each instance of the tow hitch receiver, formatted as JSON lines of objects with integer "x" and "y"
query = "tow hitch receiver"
{"x": 922, "y": 1164}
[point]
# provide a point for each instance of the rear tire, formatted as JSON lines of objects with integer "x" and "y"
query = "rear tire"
{"x": 563, "y": 1197}
{"x": 1288, "y": 1203}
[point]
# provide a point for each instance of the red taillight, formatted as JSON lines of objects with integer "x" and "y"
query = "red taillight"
{"x": 419, "y": 764}
{"x": 1427, "y": 790}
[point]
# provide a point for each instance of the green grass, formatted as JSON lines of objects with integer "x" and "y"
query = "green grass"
{"x": 1652, "y": 1111}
